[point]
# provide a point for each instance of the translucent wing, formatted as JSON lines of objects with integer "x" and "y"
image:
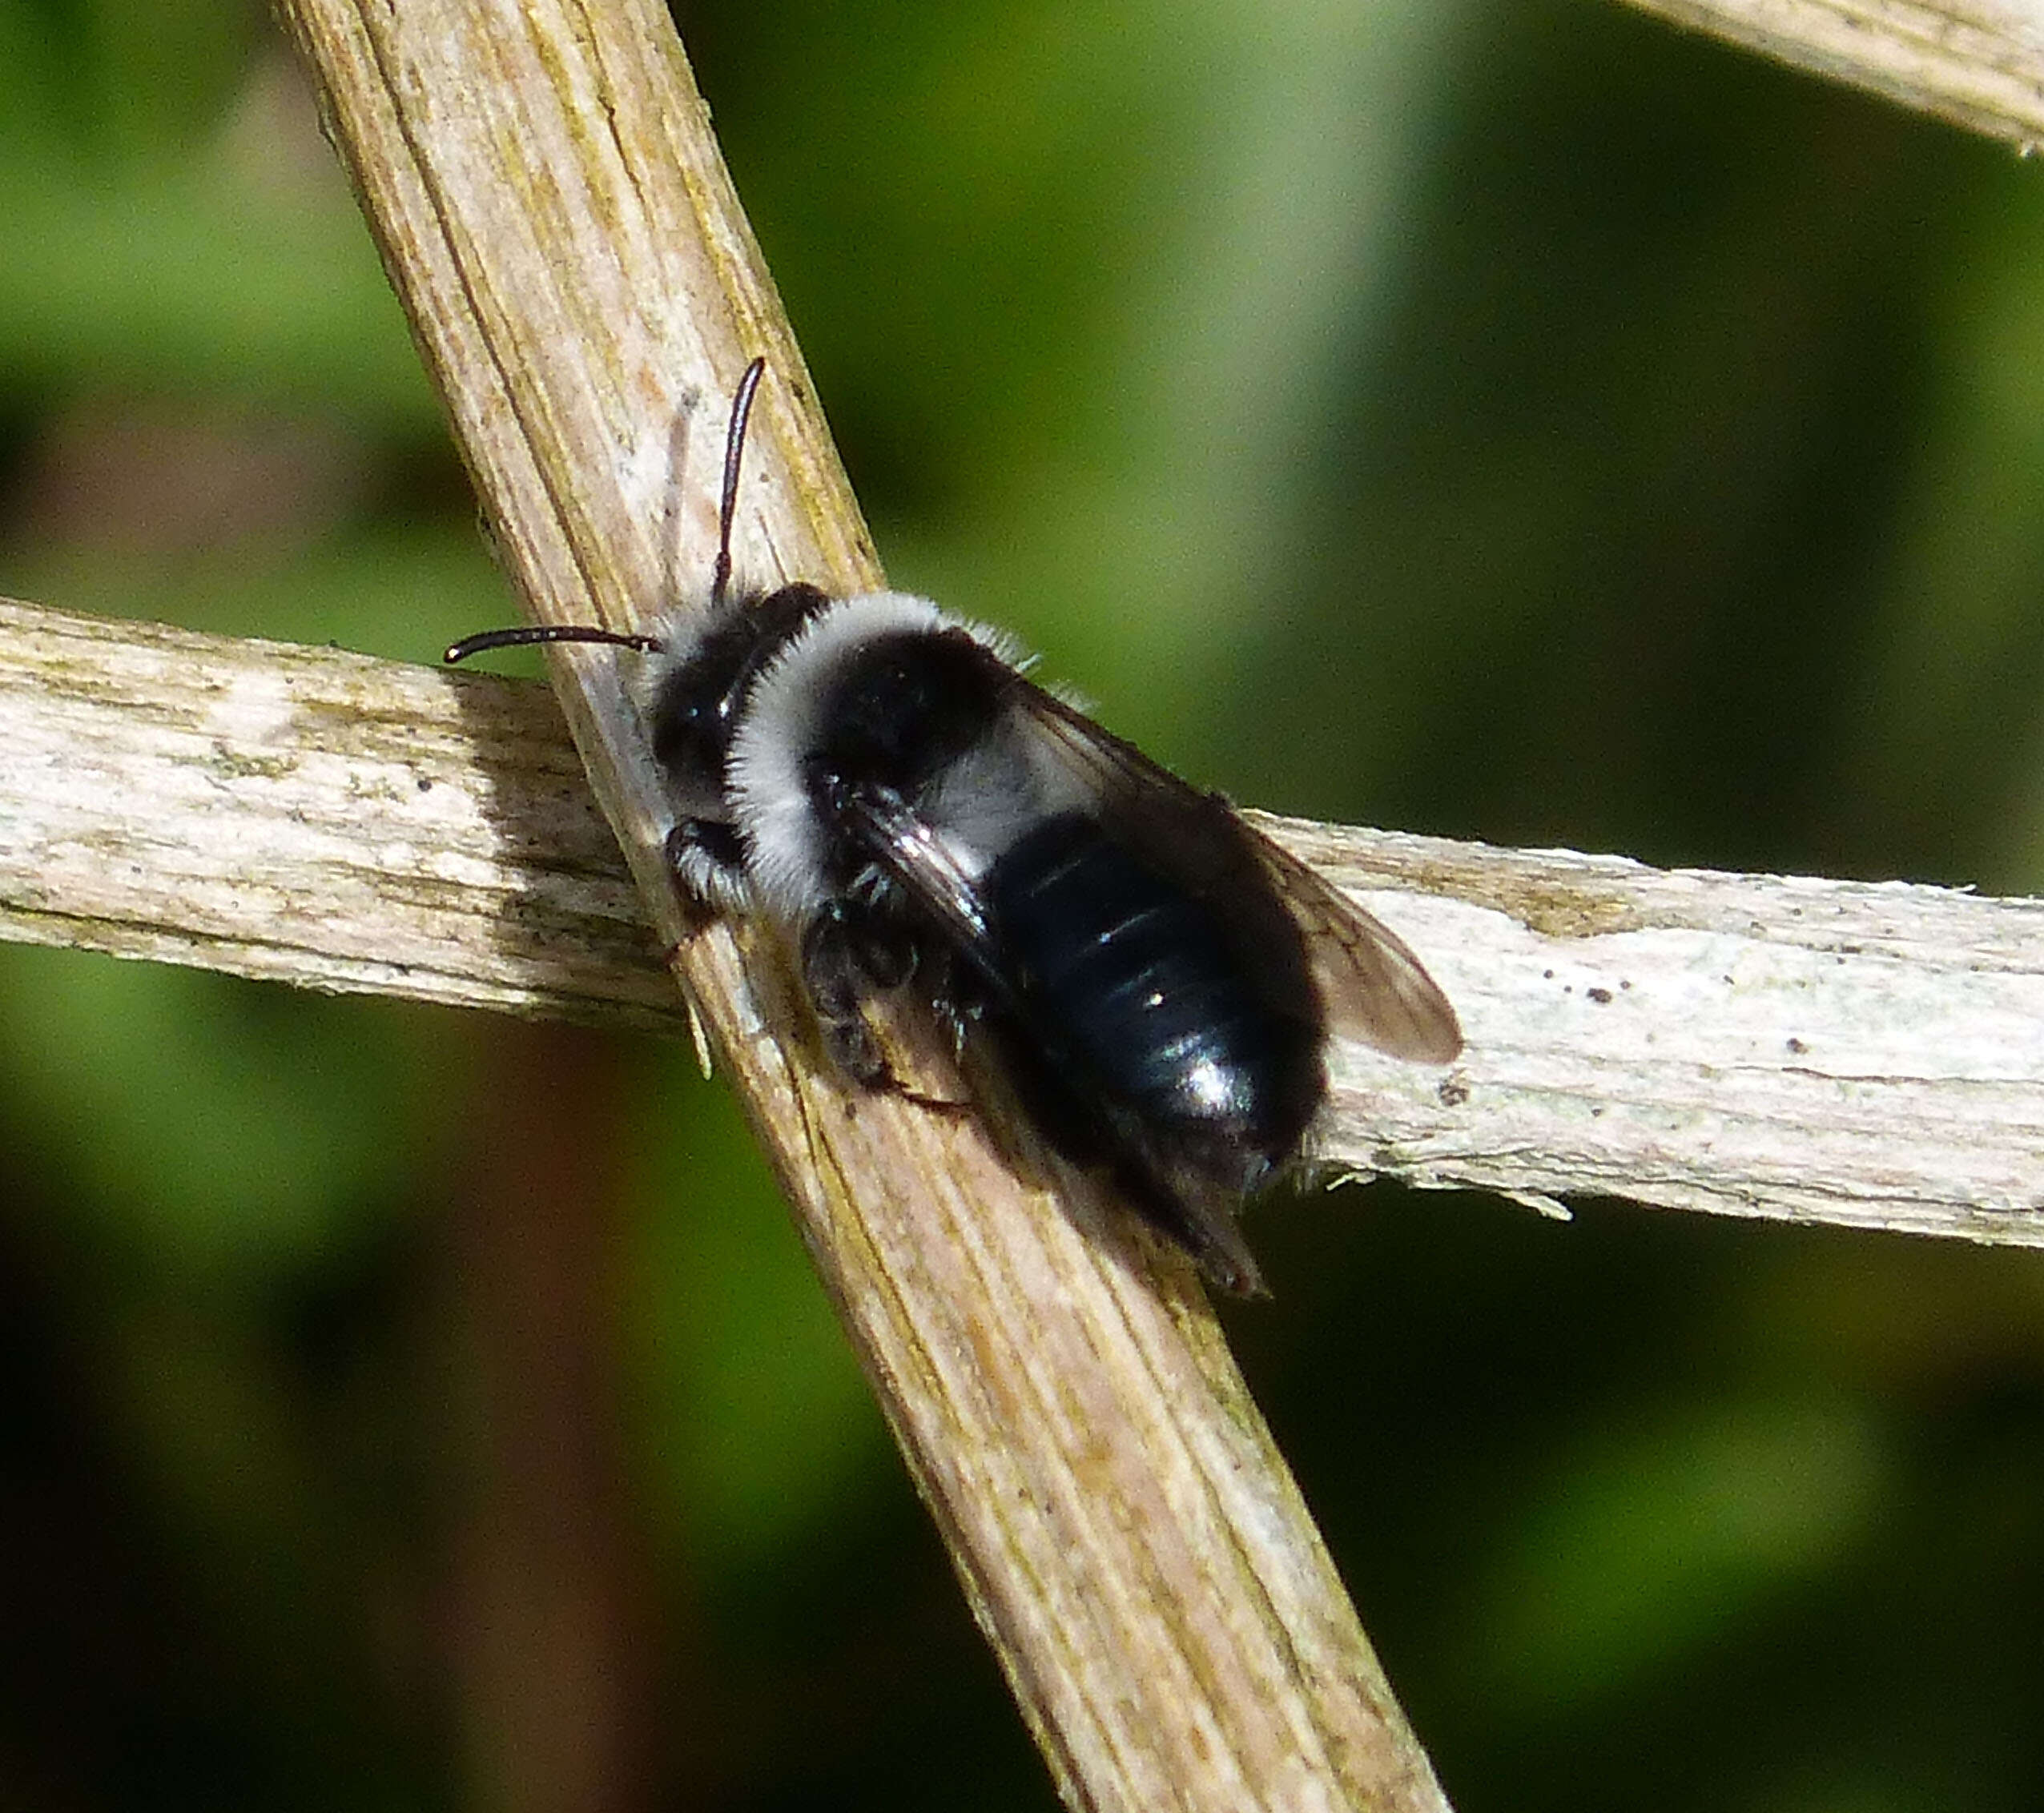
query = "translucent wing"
{"x": 918, "y": 860}
{"x": 1371, "y": 987}
{"x": 1374, "y": 988}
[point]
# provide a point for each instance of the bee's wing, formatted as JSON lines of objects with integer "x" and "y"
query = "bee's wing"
{"x": 917, "y": 860}
{"x": 1374, "y": 989}
{"x": 1371, "y": 987}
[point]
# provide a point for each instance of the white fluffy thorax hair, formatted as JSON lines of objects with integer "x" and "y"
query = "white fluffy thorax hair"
{"x": 986, "y": 798}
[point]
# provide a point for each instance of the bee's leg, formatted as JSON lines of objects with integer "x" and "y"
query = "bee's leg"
{"x": 849, "y": 955}
{"x": 709, "y": 861}
{"x": 957, "y": 1001}
{"x": 846, "y": 959}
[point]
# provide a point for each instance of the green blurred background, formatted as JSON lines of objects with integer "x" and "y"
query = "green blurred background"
{"x": 1509, "y": 420}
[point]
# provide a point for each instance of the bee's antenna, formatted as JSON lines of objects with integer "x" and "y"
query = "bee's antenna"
{"x": 727, "y": 508}
{"x": 527, "y": 633}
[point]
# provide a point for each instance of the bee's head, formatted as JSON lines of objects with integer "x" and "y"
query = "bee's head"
{"x": 698, "y": 684}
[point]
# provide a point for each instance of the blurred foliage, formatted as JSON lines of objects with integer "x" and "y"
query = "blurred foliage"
{"x": 1518, "y": 421}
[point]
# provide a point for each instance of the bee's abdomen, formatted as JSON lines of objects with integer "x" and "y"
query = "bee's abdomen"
{"x": 1141, "y": 1001}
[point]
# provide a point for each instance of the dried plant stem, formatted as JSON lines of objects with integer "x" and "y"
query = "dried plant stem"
{"x": 1825, "y": 1052}
{"x": 1978, "y": 63}
{"x": 552, "y": 210}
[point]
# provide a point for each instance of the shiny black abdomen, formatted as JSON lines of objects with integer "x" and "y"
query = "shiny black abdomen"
{"x": 1152, "y": 1018}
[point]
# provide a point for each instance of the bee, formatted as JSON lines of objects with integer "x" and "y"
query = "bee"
{"x": 1157, "y": 982}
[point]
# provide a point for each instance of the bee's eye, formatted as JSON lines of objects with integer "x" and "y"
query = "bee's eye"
{"x": 692, "y": 730}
